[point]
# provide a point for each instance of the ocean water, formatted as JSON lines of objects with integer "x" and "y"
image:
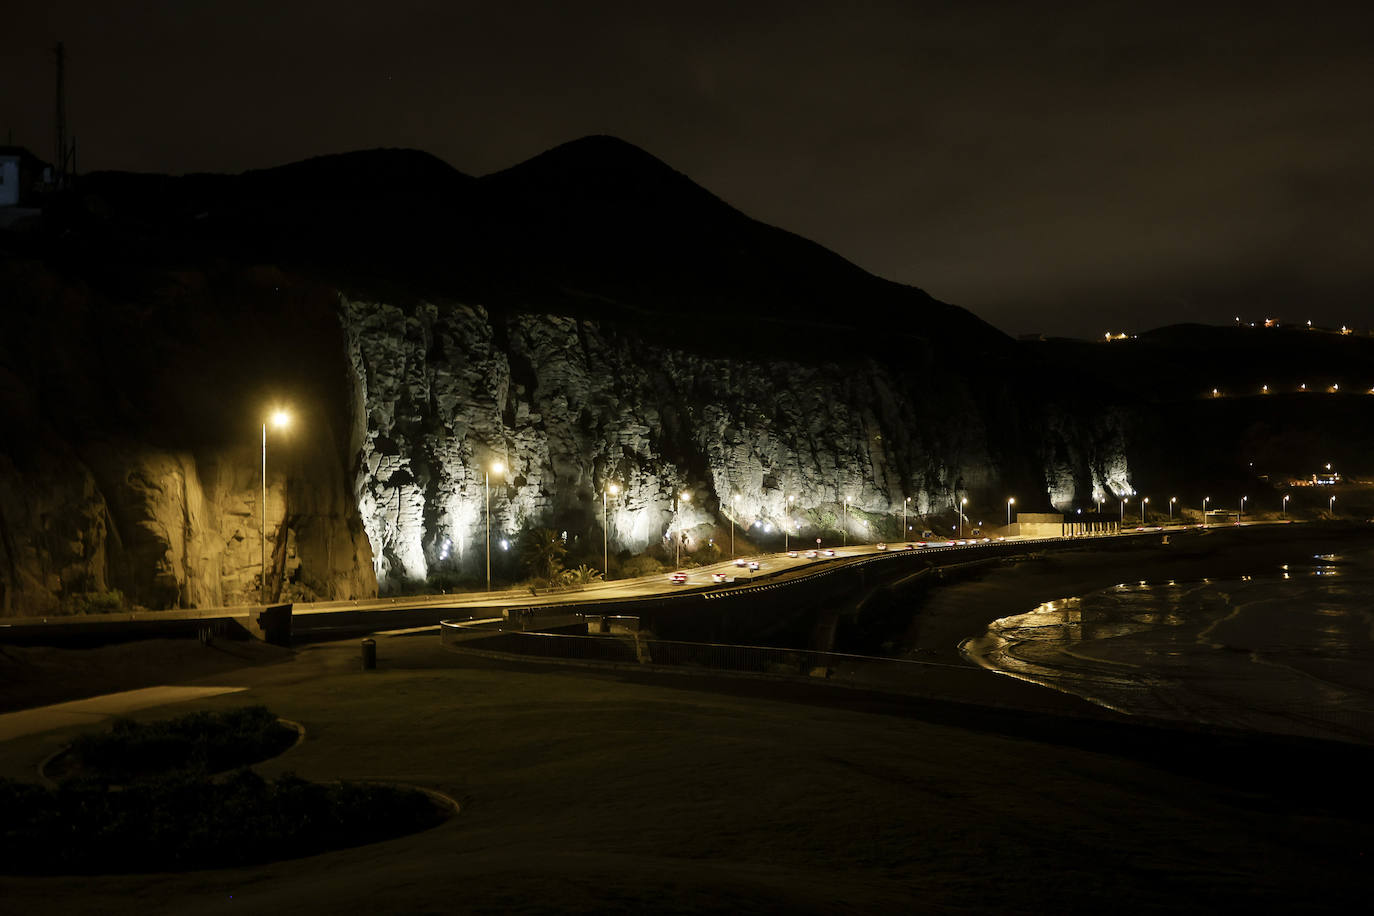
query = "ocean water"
{"x": 1290, "y": 653}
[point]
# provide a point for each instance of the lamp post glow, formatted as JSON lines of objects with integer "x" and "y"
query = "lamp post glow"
{"x": 1283, "y": 506}
{"x": 1124, "y": 500}
{"x": 496, "y": 468}
{"x": 610, "y": 490}
{"x": 1240, "y": 517}
{"x": 962, "y": 503}
{"x": 1205, "y": 501}
{"x": 1331, "y": 507}
{"x": 1142, "y": 510}
{"x": 906, "y": 533}
{"x": 685, "y": 497}
{"x": 1172, "y": 500}
{"x": 280, "y": 419}
{"x": 1010, "y": 502}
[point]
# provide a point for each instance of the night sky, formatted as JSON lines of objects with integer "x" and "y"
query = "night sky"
{"x": 1102, "y": 165}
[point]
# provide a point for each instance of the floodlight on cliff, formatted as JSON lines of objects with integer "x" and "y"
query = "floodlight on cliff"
{"x": 1011, "y": 501}
{"x": 496, "y": 468}
{"x": 611, "y": 490}
{"x": 279, "y": 419}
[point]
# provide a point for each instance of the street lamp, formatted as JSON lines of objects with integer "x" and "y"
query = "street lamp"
{"x": 732, "y": 525}
{"x": 1142, "y": 510}
{"x": 279, "y": 419}
{"x": 611, "y": 490}
{"x": 496, "y": 468}
{"x": 1010, "y": 501}
{"x": 844, "y": 525}
{"x": 962, "y": 503}
{"x": 905, "y": 505}
{"x": 1172, "y": 500}
{"x": 1283, "y": 506}
{"x": 1124, "y": 500}
{"x": 1241, "y": 517}
{"x": 685, "y": 497}
{"x": 785, "y": 531}
{"x": 1331, "y": 507}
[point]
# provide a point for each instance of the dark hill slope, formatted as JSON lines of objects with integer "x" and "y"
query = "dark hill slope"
{"x": 596, "y": 228}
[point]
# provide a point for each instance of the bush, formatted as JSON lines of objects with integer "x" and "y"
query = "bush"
{"x": 641, "y": 565}
{"x": 185, "y": 821}
{"x": 202, "y": 742}
{"x": 96, "y": 602}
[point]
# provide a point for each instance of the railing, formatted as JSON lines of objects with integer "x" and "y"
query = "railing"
{"x": 892, "y": 675}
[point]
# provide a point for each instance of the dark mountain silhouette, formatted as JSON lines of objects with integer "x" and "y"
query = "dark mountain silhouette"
{"x": 595, "y": 227}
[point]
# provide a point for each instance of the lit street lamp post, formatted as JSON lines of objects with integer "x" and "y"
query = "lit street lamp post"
{"x": 1172, "y": 500}
{"x": 1142, "y": 510}
{"x": 844, "y": 526}
{"x": 685, "y": 497}
{"x": 1205, "y": 501}
{"x": 611, "y": 489}
{"x": 732, "y": 525}
{"x": 1331, "y": 507}
{"x": 905, "y": 505}
{"x": 1241, "y": 516}
{"x": 962, "y": 503}
{"x": 1283, "y": 507}
{"x": 1010, "y": 502}
{"x": 1124, "y": 500}
{"x": 496, "y": 468}
{"x": 787, "y": 525}
{"x": 280, "y": 419}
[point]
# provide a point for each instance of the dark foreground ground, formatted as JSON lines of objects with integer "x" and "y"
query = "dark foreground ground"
{"x": 600, "y": 791}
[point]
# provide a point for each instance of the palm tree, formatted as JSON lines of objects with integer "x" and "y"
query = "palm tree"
{"x": 583, "y": 575}
{"x": 543, "y": 553}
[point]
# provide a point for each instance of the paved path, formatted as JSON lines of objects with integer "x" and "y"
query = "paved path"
{"x": 96, "y": 709}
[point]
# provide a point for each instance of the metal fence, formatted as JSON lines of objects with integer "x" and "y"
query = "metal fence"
{"x": 886, "y": 674}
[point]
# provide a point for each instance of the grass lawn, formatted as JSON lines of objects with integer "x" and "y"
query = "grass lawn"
{"x": 595, "y": 791}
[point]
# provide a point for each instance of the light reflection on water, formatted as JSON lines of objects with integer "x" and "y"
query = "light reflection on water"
{"x": 1289, "y": 652}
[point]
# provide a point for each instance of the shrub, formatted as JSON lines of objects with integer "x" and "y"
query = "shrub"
{"x": 186, "y": 821}
{"x": 96, "y": 602}
{"x": 202, "y": 742}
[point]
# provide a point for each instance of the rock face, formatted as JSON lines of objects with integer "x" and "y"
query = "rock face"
{"x": 570, "y": 408}
{"x": 796, "y": 394}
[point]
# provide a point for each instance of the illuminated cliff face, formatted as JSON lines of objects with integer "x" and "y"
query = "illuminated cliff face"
{"x": 571, "y": 407}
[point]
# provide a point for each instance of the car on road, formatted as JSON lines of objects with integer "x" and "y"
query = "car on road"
{"x": 911, "y": 546}
{"x": 718, "y": 578}
{"x": 739, "y": 562}
{"x": 792, "y": 554}
{"x": 679, "y": 578}
{"x": 882, "y": 546}
{"x": 753, "y": 565}
{"x": 829, "y": 551}
{"x": 811, "y": 555}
